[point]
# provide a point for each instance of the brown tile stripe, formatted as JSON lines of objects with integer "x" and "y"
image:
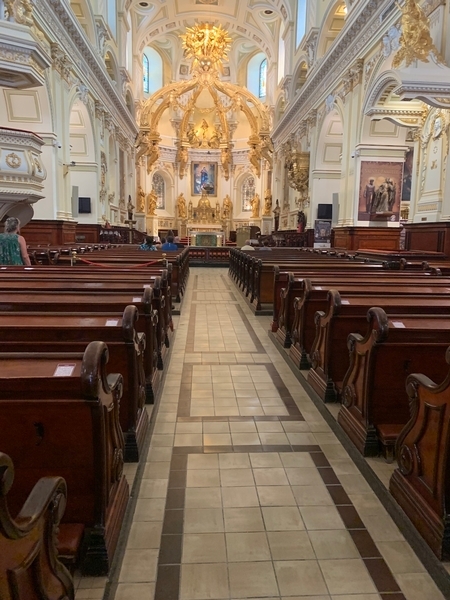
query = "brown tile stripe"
{"x": 169, "y": 563}
{"x": 191, "y": 329}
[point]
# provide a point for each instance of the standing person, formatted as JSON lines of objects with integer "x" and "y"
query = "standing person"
{"x": 13, "y": 248}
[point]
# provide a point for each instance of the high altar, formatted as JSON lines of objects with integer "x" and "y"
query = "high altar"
{"x": 206, "y": 225}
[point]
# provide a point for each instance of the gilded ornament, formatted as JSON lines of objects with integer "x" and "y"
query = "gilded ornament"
{"x": 207, "y": 45}
{"x": 415, "y": 41}
{"x": 13, "y": 161}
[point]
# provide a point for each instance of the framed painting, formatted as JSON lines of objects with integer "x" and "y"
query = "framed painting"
{"x": 204, "y": 178}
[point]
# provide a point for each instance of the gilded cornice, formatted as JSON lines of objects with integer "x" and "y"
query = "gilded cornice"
{"x": 60, "y": 24}
{"x": 363, "y": 30}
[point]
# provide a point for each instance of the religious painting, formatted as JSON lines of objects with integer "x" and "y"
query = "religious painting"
{"x": 380, "y": 190}
{"x": 407, "y": 175}
{"x": 322, "y": 233}
{"x": 204, "y": 179}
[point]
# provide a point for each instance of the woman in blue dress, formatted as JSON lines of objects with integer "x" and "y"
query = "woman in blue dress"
{"x": 13, "y": 248}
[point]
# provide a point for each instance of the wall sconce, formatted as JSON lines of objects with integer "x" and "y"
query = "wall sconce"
{"x": 66, "y": 167}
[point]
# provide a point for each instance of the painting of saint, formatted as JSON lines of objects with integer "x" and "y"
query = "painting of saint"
{"x": 204, "y": 179}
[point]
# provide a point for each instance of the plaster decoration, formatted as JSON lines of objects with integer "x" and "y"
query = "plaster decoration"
{"x": 391, "y": 40}
{"x": 370, "y": 65}
{"x": 103, "y": 172}
{"x": 415, "y": 41}
{"x": 103, "y": 35}
{"x": 329, "y": 103}
{"x": 19, "y": 11}
{"x": 126, "y": 79}
{"x": 13, "y": 160}
{"x": 310, "y": 46}
{"x": 434, "y": 140}
{"x": 61, "y": 62}
{"x": 111, "y": 197}
{"x": 109, "y": 123}
{"x": 83, "y": 91}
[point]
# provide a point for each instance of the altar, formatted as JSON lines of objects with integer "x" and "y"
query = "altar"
{"x": 210, "y": 237}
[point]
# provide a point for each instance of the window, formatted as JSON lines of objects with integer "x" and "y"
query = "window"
{"x": 254, "y": 74}
{"x": 146, "y": 69}
{"x": 248, "y": 193}
{"x": 262, "y": 78}
{"x": 160, "y": 189}
{"x": 301, "y": 21}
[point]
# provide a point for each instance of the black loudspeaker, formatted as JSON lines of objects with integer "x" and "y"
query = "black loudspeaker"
{"x": 325, "y": 211}
{"x": 84, "y": 205}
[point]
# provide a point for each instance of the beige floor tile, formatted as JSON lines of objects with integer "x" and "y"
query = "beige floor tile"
{"x": 189, "y": 428}
{"x": 145, "y": 535}
{"x": 204, "y": 548}
{"x": 203, "y": 520}
{"x": 269, "y": 476}
{"x": 236, "y": 477}
{"x": 197, "y": 478}
{"x": 132, "y": 591}
{"x": 247, "y": 547}
{"x": 418, "y": 586}
{"x": 162, "y": 441}
{"x": 226, "y": 411}
{"x": 295, "y": 576}
{"x": 356, "y": 597}
{"x": 262, "y": 460}
{"x": 149, "y": 509}
{"x": 216, "y": 427}
{"x": 321, "y": 517}
{"x": 205, "y": 411}
{"x": 156, "y": 470}
{"x": 243, "y": 427}
{"x": 243, "y": 519}
{"x": 217, "y": 439}
{"x": 296, "y": 426}
{"x": 203, "y": 461}
{"x": 153, "y": 488}
{"x": 197, "y": 498}
{"x": 333, "y": 544}
{"x": 367, "y": 504}
{"x": 296, "y": 460}
{"x": 269, "y": 427}
{"x": 275, "y": 411}
{"x": 290, "y": 545}
{"x": 282, "y": 518}
{"x": 382, "y": 528}
{"x": 355, "y": 484}
{"x": 188, "y": 439}
{"x": 239, "y": 497}
{"x": 245, "y": 439}
{"x": 273, "y": 438}
{"x": 400, "y": 558}
{"x": 237, "y": 460}
{"x": 304, "y": 476}
{"x": 139, "y": 565}
{"x": 276, "y": 495}
{"x": 204, "y": 581}
{"x": 164, "y": 428}
{"x": 347, "y": 576}
{"x": 251, "y": 411}
{"x": 252, "y": 579}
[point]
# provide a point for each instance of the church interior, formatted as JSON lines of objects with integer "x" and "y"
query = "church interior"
{"x": 270, "y": 428}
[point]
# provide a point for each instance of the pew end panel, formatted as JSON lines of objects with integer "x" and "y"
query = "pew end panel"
{"x": 29, "y": 564}
{"x": 421, "y": 483}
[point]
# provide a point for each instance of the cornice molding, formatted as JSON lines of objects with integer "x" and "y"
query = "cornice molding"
{"x": 61, "y": 26}
{"x": 327, "y": 72}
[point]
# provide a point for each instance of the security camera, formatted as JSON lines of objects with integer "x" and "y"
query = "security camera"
{"x": 353, "y": 154}
{"x": 57, "y": 144}
{"x": 72, "y": 163}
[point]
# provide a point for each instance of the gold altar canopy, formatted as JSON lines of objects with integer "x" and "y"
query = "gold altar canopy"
{"x": 204, "y": 109}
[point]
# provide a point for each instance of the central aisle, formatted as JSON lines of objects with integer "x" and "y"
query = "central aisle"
{"x": 246, "y": 492}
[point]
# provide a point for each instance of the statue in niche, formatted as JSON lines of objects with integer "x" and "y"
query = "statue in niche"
{"x": 182, "y": 160}
{"x": 254, "y": 156}
{"x": 130, "y": 209}
{"x": 227, "y": 207}
{"x": 153, "y": 154}
{"x": 267, "y": 203}
{"x": 276, "y": 213}
{"x": 226, "y": 160}
{"x": 192, "y": 137}
{"x": 255, "y": 206}
{"x": 181, "y": 205}
{"x": 152, "y": 200}
{"x": 190, "y": 209}
{"x": 141, "y": 199}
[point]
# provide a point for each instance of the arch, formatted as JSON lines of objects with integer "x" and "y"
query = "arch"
{"x": 279, "y": 109}
{"x": 299, "y": 78}
{"x": 130, "y": 102}
{"x": 159, "y": 185}
{"x": 168, "y": 188}
{"x": 332, "y": 25}
{"x": 253, "y": 72}
{"x": 246, "y": 190}
{"x": 111, "y": 66}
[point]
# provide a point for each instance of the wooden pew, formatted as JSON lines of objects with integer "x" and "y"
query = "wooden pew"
{"x": 347, "y": 314}
{"x": 29, "y": 565}
{"x": 44, "y": 332}
{"x": 374, "y": 403}
{"x": 421, "y": 483}
{"x": 59, "y": 416}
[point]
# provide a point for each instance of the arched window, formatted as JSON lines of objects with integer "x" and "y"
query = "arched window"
{"x": 159, "y": 186}
{"x": 262, "y": 78}
{"x": 254, "y": 73}
{"x": 301, "y": 21}
{"x": 248, "y": 192}
{"x": 146, "y": 70}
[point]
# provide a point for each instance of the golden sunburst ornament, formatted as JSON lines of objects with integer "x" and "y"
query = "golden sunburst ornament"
{"x": 207, "y": 45}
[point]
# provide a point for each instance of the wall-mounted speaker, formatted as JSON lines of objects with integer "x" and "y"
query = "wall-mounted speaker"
{"x": 325, "y": 211}
{"x": 84, "y": 205}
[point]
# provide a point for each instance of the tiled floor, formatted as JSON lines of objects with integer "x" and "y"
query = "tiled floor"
{"x": 246, "y": 492}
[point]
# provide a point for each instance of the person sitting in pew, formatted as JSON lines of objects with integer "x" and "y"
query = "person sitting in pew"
{"x": 266, "y": 246}
{"x": 148, "y": 244}
{"x": 169, "y": 245}
{"x": 247, "y": 246}
{"x": 13, "y": 248}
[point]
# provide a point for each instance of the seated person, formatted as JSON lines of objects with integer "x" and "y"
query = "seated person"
{"x": 149, "y": 244}
{"x": 169, "y": 245}
{"x": 247, "y": 246}
{"x": 13, "y": 248}
{"x": 176, "y": 241}
{"x": 266, "y": 246}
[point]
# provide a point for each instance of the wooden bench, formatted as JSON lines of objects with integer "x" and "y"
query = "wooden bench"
{"x": 59, "y": 416}
{"x": 44, "y": 332}
{"x": 28, "y": 552}
{"x": 421, "y": 483}
{"x": 374, "y": 404}
{"x": 347, "y": 314}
